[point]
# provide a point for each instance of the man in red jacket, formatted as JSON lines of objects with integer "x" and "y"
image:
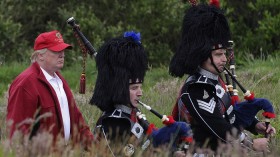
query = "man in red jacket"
{"x": 41, "y": 91}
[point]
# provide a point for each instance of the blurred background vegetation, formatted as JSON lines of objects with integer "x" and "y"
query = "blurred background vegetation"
{"x": 254, "y": 23}
{"x": 255, "y": 30}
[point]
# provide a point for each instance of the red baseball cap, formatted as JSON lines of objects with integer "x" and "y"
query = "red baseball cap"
{"x": 51, "y": 40}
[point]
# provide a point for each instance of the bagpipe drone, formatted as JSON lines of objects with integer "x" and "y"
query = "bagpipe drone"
{"x": 86, "y": 48}
{"x": 174, "y": 133}
{"x": 246, "y": 110}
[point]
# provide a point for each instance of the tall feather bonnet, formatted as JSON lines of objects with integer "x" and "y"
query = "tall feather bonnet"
{"x": 120, "y": 62}
{"x": 204, "y": 29}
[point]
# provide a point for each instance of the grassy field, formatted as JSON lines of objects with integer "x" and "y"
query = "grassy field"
{"x": 160, "y": 92}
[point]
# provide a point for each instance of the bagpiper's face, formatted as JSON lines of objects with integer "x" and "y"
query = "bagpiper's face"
{"x": 135, "y": 91}
{"x": 219, "y": 59}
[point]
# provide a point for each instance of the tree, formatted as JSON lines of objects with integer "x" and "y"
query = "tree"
{"x": 159, "y": 23}
{"x": 255, "y": 26}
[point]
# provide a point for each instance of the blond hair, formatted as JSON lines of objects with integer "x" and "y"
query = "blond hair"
{"x": 34, "y": 55}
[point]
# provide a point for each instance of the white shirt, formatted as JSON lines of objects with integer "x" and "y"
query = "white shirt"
{"x": 63, "y": 102}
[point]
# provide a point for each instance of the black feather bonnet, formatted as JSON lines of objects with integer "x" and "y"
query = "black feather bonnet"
{"x": 120, "y": 62}
{"x": 204, "y": 29}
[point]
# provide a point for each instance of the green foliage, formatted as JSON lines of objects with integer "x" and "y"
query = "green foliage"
{"x": 10, "y": 47}
{"x": 158, "y": 21}
{"x": 8, "y": 73}
{"x": 73, "y": 73}
{"x": 255, "y": 26}
{"x": 99, "y": 20}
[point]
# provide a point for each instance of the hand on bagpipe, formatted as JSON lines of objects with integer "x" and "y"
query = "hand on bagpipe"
{"x": 174, "y": 133}
{"x": 247, "y": 110}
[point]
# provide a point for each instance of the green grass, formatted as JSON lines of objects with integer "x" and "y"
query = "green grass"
{"x": 8, "y": 73}
{"x": 160, "y": 91}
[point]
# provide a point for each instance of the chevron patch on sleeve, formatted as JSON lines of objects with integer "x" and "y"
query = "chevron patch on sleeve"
{"x": 207, "y": 106}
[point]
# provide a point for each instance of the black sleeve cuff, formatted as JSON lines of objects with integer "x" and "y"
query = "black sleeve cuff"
{"x": 252, "y": 127}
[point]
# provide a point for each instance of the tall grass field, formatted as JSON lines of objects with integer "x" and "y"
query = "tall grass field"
{"x": 160, "y": 92}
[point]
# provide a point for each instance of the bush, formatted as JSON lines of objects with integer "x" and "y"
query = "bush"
{"x": 254, "y": 26}
{"x": 158, "y": 23}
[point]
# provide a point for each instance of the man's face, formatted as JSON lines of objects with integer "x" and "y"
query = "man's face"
{"x": 135, "y": 91}
{"x": 53, "y": 61}
{"x": 219, "y": 59}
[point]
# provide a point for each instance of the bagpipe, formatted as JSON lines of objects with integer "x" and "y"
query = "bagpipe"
{"x": 86, "y": 48}
{"x": 247, "y": 110}
{"x": 172, "y": 132}
{"x": 177, "y": 134}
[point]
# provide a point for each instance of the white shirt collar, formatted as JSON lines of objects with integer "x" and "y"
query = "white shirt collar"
{"x": 208, "y": 74}
{"x": 124, "y": 108}
{"x": 48, "y": 76}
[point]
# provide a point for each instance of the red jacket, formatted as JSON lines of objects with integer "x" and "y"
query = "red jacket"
{"x": 31, "y": 91}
